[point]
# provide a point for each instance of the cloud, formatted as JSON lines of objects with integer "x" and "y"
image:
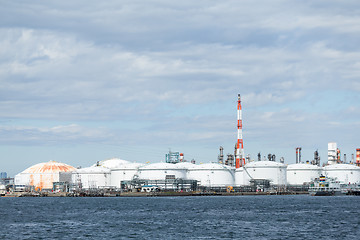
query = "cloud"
{"x": 78, "y": 72}
{"x": 59, "y": 135}
{"x": 161, "y": 73}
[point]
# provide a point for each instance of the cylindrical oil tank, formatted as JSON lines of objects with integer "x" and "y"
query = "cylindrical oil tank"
{"x": 93, "y": 177}
{"x": 301, "y": 173}
{"x": 345, "y": 173}
{"x": 162, "y": 171}
{"x": 212, "y": 175}
{"x": 43, "y": 175}
{"x": 125, "y": 172}
{"x": 268, "y": 170}
{"x": 239, "y": 177}
{"x": 187, "y": 166}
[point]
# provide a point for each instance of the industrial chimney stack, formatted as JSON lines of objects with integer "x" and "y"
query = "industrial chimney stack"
{"x": 298, "y": 155}
{"x": 221, "y": 156}
{"x": 240, "y": 157}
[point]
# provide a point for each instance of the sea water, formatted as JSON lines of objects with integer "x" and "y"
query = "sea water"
{"x": 203, "y": 217}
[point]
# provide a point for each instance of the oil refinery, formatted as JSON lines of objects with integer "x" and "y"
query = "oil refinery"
{"x": 237, "y": 174}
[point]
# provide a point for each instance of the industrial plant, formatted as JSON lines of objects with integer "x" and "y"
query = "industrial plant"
{"x": 237, "y": 174}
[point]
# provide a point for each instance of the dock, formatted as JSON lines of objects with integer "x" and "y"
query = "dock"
{"x": 149, "y": 194}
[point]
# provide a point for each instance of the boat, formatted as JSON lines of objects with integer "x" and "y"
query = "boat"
{"x": 323, "y": 186}
{"x": 2, "y": 190}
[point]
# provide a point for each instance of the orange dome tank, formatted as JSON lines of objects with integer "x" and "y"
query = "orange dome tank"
{"x": 42, "y": 175}
{"x": 49, "y": 167}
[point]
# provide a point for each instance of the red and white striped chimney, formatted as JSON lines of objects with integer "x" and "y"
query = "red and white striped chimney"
{"x": 240, "y": 156}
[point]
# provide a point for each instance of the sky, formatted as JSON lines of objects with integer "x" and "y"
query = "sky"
{"x": 85, "y": 81}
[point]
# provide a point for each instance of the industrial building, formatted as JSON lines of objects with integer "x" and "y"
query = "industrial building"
{"x": 176, "y": 174}
{"x": 184, "y": 176}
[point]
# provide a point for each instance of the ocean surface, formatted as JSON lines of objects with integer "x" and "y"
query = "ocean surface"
{"x": 205, "y": 217}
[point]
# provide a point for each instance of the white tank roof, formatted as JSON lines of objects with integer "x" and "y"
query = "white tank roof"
{"x": 303, "y": 166}
{"x": 186, "y": 165}
{"x": 93, "y": 169}
{"x": 162, "y": 165}
{"x": 265, "y": 164}
{"x": 133, "y": 165}
{"x": 112, "y": 163}
{"x": 212, "y": 166}
{"x": 341, "y": 166}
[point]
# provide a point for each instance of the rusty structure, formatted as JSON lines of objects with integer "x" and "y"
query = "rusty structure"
{"x": 42, "y": 176}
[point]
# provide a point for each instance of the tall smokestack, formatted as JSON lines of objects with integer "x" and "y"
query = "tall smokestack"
{"x": 221, "y": 156}
{"x": 338, "y": 156}
{"x": 240, "y": 157}
{"x": 358, "y": 157}
{"x": 298, "y": 155}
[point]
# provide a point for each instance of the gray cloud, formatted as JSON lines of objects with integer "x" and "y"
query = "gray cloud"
{"x": 169, "y": 73}
{"x": 58, "y": 135}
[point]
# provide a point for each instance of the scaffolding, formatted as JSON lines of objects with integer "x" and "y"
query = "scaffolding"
{"x": 172, "y": 157}
{"x": 164, "y": 185}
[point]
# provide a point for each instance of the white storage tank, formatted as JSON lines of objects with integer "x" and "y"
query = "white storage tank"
{"x": 162, "y": 171}
{"x": 125, "y": 172}
{"x": 188, "y": 166}
{"x": 212, "y": 175}
{"x": 239, "y": 177}
{"x": 345, "y": 173}
{"x": 301, "y": 173}
{"x": 91, "y": 177}
{"x": 273, "y": 171}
